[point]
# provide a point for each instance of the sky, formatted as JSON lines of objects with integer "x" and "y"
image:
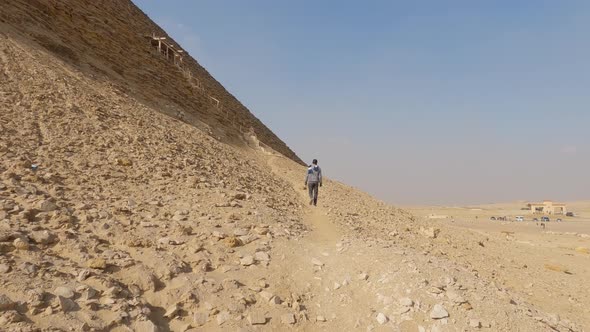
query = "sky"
{"x": 416, "y": 102}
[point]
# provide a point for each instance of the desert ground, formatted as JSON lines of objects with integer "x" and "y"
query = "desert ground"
{"x": 548, "y": 265}
{"x": 117, "y": 215}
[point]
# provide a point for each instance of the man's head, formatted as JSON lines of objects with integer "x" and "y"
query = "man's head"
{"x": 315, "y": 162}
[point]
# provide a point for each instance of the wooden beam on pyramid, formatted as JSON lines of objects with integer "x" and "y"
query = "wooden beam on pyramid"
{"x": 216, "y": 101}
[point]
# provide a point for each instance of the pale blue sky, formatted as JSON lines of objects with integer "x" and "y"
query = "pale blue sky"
{"x": 416, "y": 102}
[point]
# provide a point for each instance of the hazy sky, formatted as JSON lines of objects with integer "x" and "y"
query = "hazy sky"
{"x": 416, "y": 102}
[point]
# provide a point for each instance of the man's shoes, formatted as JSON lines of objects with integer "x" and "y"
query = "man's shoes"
{"x": 311, "y": 202}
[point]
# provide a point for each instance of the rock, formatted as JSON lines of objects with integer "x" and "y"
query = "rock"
{"x": 363, "y": 276}
{"x": 475, "y": 323}
{"x": 222, "y": 317}
{"x": 320, "y": 319}
{"x": 241, "y": 232}
{"x": 179, "y": 217}
{"x": 552, "y": 320}
{"x": 6, "y": 247}
{"x": 43, "y": 237}
{"x": 89, "y": 294}
{"x": 97, "y": 263}
{"x": 172, "y": 311}
{"x": 435, "y": 290}
{"x": 145, "y": 326}
{"x": 108, "y": 301}
{"x": 256, "y": 318}
{"x": 455, "y": 298}
{"x": 248, "y": 238}
{"x": 20, "y": 244}
{"x": 114, "y": 292}
{"x": 47, "y": 206}
{"x": 266, "y": 295}
{"x": 247, "y": 260}
{"x": 262, "y": 256}
{"x": 11, "y": 316}
{"x": 386, "y": 300}
{"x": 4, "y": 268}
{"x": 261, "y": 230}
{"x": 466, "y": 306}
{"x": 6, "y": 303}
{"x": 276, "y": 300}
{"x": 231, "y": 284}
{"x": 406, "y": 302}
{"x": 219, "y": 235}
{"x": 240, "y": 196}
{"x": 288, "y": 318}
{"x": 67, "y": 305}
{"x": 83, "y": 275}
{"x": 200, "y": 318}
{"x": 403, "y": 310}
{"x": 63, "y": 291}
{"x": 28, "y": 268}
{"x": 430, "y": 232}
{"x": 557, "y": 268}
{"x": 205, "y": 266}
{"x": 166, "y": 241}
{"x": 233, "y": 242}
{"x": 438, "y": 312}
{"x": 233, "y": 217}
{"x": 124, "y": 162}
{"x": 143, "y": 278}
{"x": 381, "y": 318}
{"x": 316, "y": 262}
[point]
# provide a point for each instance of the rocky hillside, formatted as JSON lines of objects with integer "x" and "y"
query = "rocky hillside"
{"x": 116, "y": 183}
{"x": 111, "y": 40}
{"x": 116, "y": 216}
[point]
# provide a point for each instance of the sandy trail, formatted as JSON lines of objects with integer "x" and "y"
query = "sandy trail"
{"x": 324, "y": 231}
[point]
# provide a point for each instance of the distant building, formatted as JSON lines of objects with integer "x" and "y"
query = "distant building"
{"x": 547, "y": 207}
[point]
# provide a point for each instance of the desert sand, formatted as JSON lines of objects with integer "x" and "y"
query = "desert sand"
{"x": 116, "y": 215}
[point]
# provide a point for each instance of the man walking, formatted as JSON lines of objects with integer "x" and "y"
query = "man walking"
{"x": 313, "y": 180}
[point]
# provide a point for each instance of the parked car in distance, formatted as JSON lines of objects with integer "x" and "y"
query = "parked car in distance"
{"x": 569, "y": 214}
{"x": 558, "y": 220}
{"x": 519, "y": 218}
{"x": 545, "y": 219}
{"x": 535, "y": 219}
{"x": 492, "y": 218}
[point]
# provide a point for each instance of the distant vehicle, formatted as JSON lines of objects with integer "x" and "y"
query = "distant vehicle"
{"x": 558, "y": 220}
{"x": 519, "y": 218}
{"x": 492, "y": 218}
{"x": 535, "y": 219}
{"x": 546, "y": 219}
{"x": 569, "y": 214}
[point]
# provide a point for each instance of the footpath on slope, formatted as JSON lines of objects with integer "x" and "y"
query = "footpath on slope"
{"x": 323, "y": 230}
{"x": 321, "y": 266}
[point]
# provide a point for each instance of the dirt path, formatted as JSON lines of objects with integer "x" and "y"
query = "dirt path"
{"x": 324, "y": 231}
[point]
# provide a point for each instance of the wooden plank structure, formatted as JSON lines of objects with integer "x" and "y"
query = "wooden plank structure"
{"x": 175, "y": 55}
{"x": 215, "y": 100}
{"x": 168, "y": 50}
